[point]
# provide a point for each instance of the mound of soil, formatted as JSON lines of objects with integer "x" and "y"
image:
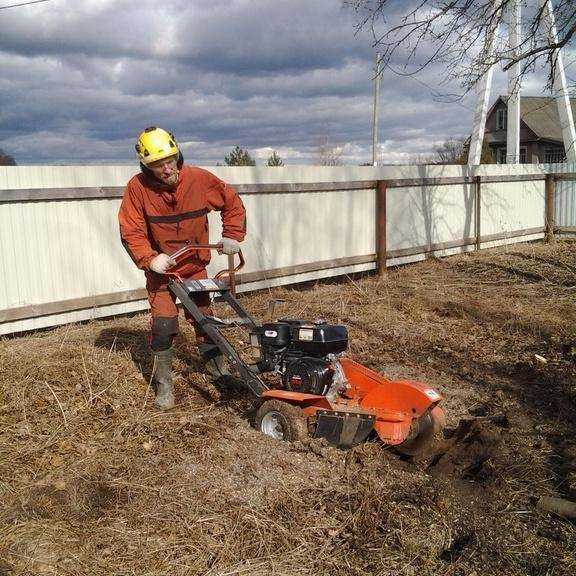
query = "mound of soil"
{"x": 473, "y": 452}
{"x": 94, "y": 480}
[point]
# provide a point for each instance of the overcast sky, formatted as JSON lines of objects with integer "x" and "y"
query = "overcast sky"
{"x": 81, "y": 78}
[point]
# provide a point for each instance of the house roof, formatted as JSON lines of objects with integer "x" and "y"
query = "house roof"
{"x": 540, "y": 114}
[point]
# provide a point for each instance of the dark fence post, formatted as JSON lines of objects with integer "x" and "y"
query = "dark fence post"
{"x": 549, "y": 207}
{"x": 477, "y": 212}
{"x": 381, "y": 246}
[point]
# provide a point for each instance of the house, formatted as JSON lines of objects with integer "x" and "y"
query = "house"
{"x": 540, "y": 130}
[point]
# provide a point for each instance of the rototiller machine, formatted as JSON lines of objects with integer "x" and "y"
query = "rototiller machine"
{"x": 317, "y": 390}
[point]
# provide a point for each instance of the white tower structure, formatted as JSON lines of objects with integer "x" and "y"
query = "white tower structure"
{"x": 482, "y": 98}
{"x": 560, "y": 90}
{"x": 514, "y": 21}
{"x": 513, "y": 18}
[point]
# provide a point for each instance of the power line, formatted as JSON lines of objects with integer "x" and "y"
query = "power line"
{"x": 23, "y": 4}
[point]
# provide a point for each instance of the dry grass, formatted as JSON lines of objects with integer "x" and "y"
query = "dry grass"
{"x": 93, "y": 480}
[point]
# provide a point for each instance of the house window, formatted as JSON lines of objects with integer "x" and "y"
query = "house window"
{"x": 523, "y": 155}
{"x": 502, "y": 156}
{"x": 501, "y": 119}
{"x": 554, "y": 156}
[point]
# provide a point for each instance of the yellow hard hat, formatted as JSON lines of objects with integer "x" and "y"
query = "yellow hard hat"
{"x": 155, "y": 144}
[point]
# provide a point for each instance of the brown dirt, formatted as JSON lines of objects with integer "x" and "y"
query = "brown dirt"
{"x": 93, "y": 480}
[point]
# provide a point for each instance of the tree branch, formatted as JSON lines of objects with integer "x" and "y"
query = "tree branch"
{"x": 540, "y": 49}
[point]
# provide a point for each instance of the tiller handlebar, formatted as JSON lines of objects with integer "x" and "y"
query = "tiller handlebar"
{"x": 182, "y": 254}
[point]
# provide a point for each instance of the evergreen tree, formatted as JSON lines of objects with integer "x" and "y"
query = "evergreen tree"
{"x": 239, "y": 157}
{"x": 274, "y": 160}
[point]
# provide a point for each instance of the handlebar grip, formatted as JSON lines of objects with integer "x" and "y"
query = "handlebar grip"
{"x": 182, "y": 253}
{"x": 185, "y": 251}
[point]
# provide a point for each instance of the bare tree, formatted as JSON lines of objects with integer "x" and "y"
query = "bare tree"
{"x": 411, "y": 35}
{"x": 451, "y": 151}
{"x": 328, "y": 153}
{"x": 486, "y": 156}
{"x": 6, "y": 159}
{"x": 422, "y": 159}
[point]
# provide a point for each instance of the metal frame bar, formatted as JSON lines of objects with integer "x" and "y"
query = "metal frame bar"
{"x": 229, "y": 298}
{"x": 249, "y": 378}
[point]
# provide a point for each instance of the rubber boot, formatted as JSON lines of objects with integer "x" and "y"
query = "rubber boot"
{"x": 162, "y": 379}
{"x": 215, "y": 363}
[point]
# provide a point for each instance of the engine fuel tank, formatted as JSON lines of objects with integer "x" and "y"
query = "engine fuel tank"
{"x": 316, "y": 339}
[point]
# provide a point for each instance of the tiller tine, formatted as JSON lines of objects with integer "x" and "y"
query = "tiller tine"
{"x": 423, "y": 432}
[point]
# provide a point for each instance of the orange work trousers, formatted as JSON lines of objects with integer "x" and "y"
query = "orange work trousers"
{"x": 165, "y": 312}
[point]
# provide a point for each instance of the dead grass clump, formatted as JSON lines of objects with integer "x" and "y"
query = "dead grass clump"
{"x": 93, "y": 480}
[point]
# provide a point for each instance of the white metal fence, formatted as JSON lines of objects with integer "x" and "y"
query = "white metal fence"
{"x": 61, "y": 259}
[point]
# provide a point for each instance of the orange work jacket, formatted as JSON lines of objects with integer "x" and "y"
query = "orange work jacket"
{"x": 154, "y": 219}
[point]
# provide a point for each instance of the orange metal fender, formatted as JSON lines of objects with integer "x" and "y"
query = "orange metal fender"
{"x": 309, "y": 403}
{"x": 396, "y": 402}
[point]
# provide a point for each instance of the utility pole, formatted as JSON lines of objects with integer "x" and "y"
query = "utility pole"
{"x": 375, "y": 115}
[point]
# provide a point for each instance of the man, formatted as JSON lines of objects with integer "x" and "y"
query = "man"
{"x": 163, "y": 208}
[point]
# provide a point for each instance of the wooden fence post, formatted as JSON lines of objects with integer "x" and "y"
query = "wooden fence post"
{"x": 477, "y": 212}
{"x": 381, "y": 246}
{"x": 549, "y": 207}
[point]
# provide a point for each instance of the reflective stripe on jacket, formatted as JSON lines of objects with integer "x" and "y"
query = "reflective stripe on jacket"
{"x": 156, "y": 220}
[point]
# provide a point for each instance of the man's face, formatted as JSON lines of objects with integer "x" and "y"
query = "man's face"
{"x": 166, "y": 170}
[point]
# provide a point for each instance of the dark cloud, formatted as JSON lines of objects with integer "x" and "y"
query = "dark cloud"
{"x": 81, "y": 79}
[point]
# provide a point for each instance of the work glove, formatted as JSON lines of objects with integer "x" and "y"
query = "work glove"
{"x": 229, "y": 246}
{"x": 161, "y": 263}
